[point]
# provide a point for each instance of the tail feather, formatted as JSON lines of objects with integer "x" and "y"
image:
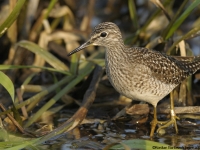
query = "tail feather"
{"x": 191, "y": 64}
{"x": 195, "y": 65}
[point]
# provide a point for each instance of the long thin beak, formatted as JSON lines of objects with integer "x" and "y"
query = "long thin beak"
{"x": 86, "y": 44}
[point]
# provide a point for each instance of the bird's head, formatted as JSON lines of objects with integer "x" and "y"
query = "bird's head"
{"x": 104, "y": 34}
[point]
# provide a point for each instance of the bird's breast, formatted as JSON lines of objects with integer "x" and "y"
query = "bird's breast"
{"x": 136, "y": 81}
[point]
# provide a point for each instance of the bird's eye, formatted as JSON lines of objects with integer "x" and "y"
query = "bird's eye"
{"x": 103, "y": 34}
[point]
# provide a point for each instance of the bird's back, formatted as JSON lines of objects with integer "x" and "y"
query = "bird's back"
{"x": 163, "y": 67}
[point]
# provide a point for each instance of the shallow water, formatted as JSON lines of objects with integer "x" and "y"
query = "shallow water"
{"x": 98, "y": 135}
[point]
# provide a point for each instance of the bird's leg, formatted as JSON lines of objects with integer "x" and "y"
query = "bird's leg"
{"x": 173, "y": 116}
{"x": 154, "y": 121}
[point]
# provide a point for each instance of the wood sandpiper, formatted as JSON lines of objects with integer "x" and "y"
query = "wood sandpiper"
{"x": 140, "y": 73}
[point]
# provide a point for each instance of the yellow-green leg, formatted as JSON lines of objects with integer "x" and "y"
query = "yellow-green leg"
{"x": 153, "y": 122}
{"x": 166, "y": 123}
{"x": 173, "y": 116}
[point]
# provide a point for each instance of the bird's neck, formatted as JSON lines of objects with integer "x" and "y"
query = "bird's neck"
{"x": 115, "y": 47}
{"x": 116, "y": 54}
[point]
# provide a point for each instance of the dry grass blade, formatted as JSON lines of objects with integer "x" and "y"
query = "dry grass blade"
{"x": 52, "y": 60}
{"x": 41, "y": 94}
{"x": 159, "y": 4}
{"x": 190, "y": 34}
{"x": 56, "y": 97}
{"x": 147, "y": 22}
{"x": 181, "y": 110}
{"x": 77, "y": 118}
{"x": 13, "y": 120}
{"x": 9, "y": 67}
{"x": 38, "y": 25}
{"x": 31, "y": 10}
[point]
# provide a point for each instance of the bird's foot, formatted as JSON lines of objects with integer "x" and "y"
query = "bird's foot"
{"x": 172, "y": 121}
{"x": 164, "y": 124}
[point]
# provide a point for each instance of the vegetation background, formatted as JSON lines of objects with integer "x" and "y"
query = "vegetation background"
{"x": 41, "y": 85}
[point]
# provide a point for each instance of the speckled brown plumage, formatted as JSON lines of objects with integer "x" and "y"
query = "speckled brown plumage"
{"x": 140, "y": 73}
{"x": 137, "y": 72}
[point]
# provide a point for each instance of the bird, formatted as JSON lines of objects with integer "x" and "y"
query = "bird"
{"x": 140, "y": 73}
